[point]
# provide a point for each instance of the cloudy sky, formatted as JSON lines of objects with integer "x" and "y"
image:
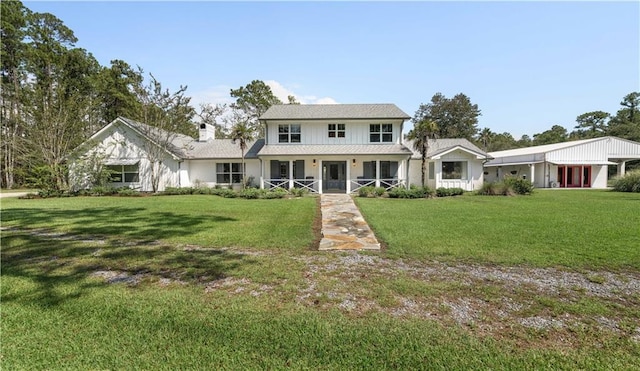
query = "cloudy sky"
{"x": 528, "y": 65}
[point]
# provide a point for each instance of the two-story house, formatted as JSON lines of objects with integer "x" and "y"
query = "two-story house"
{"x": 320, "y": 148}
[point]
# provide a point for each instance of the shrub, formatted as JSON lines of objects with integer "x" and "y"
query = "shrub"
{"x": 102, "y": 191}
{"x": 251, "y": 193}
{"x": 379, "y": 191}
{"x": 275, "y": 193}
{"x": 128, "y": 192}
{"x": 447, "y": 192}
{"x": 630, "y": 182}
{"x": 298, "y": 192}
{"x": 227, "y": 193}
{"x": 412, "y": 192}
{"x": 520, "y": 186}
{"x": 367, "y": 191}
{"x": 496, "y": 189}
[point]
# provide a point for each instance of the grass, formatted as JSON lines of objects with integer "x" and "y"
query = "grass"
{"x": 198, "y": 219}
{"x": 208, "y": 294}
{"x": 575, "y": 229}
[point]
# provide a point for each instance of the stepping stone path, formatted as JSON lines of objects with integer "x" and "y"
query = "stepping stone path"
{"x": 343, "y": 227}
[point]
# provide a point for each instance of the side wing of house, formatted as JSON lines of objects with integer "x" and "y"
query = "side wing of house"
{"x": 451, "y": 163}
{"x": 577, "y": 164}
{"x": 123, "y": 151}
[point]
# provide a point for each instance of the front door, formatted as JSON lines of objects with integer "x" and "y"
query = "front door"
{"x": 334, "y": 176}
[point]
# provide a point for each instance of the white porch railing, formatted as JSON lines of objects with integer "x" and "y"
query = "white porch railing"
{"x": 465, "y": 184}
{"x": 387, "y": 184}
{"x": 310, "y": 185}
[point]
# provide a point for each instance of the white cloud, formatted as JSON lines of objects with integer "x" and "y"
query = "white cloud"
{"x": 283, "y": 94}
{"x": 218, "y": 94}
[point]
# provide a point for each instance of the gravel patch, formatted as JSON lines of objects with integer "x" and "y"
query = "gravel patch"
{"x": 113, "y": 277}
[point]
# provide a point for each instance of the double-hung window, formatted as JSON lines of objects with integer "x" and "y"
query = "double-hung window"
{"x": 289, "y": 133}
{"x": 380, "y": 133}
{"x": 229, "y": 172}
{"x": 336, "y": 130}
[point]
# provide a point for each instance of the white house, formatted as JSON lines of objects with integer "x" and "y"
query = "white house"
{"x": 321, "y": 148}
{"x": 576, "y": 164}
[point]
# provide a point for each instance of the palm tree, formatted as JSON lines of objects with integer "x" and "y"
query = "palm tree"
{"x": 485, "y": 137}
{"x": 242, "y": 133}
{"x": 421, "y": 133}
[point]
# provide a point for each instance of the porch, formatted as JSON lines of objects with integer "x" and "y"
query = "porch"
{"x": 333, "y": 175}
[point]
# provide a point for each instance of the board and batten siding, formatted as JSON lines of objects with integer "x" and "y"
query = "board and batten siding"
{"x": 316, "y": 131}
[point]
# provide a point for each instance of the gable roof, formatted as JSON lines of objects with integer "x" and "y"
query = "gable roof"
{"x": 441, "y": 146}
{"x": 333, "y": 111}
{"x": 223, "y": 148}
{"x": 543, "y": 148}
{"x": 178, "y": 145}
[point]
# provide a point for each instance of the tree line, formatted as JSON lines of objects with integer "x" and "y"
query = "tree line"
{"x": 56, "y": 95}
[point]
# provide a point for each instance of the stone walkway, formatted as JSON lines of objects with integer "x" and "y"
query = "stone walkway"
{"x": 343, "y": 227}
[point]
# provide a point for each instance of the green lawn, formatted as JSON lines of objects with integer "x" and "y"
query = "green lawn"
{"x": 578, "y": 229}
{"x": 203, "y": 282}
{"x": 197, "y": 219}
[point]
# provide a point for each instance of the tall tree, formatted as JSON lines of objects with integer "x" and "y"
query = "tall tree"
{"x": 116, "y": 89}
{"x": 422, "y": 132}
{"x": 213, "y": 115}
{"x": 626, "y": 122}
{"x": 456, "y": 117}
{"x": 12, "y": 58}
{"x": 485, "y": 137}
{"x": 254, "y": 99}
{"x": 242, "y": 132}
{"x": 592, "y": 124}
{"x": 556, "y": 134}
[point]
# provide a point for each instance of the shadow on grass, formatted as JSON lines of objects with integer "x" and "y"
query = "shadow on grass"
{"x": 131, "y": 222}
{"x": 52, "y": 270}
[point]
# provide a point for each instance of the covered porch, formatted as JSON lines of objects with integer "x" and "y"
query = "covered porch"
{"x": 333, "y": 174}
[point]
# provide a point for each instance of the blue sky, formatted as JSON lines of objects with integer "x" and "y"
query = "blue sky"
{"x": 528, "y": 65}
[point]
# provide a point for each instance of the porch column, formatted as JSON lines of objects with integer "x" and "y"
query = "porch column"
{"x": 582, "y": 176}
{"x": 377, "y": 173}
{"x": 349, "y": 176}
{"x": 532, "y": 172}
{"x": 566, "y": 172}
{"x": 320, "y": 177}
{"x": 261, "y": 174}
{"x": 290, "y": 174}
{"x": 405, "y": 164}
{"x": 621, "y": 168}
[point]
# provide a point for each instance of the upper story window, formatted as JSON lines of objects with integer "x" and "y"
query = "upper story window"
{"x": 380, "y": 132}
{"x": 289, "y": 133}
{"x": 336, "y": 130}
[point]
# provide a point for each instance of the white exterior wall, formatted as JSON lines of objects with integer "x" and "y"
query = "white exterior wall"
{"x": 473, "y": 179}
{"x": 204, "y": 171}
{"x": 599, "y": 176}
{"x": 121, "y": 143}
{"x": 316, "y": 131}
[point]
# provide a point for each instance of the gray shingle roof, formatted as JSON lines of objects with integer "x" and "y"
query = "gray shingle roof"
{"x": 223, "y": 148}
{"x": 437, "y": 146}
{"x": 185, "y": 147}
{"x": 334, "y": 149}
{"x": 333, "y": 111}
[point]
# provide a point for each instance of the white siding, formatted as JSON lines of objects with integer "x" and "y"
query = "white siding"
{"x": 204, "y": 171}
{"x": 316, "y": 132}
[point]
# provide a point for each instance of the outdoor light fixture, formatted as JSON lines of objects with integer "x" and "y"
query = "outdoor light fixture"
{"x": 314, "y": 162}
{"x": 353, "y": 162}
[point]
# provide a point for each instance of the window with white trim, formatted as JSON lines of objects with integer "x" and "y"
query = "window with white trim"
{"x": 336, "y": 130}
{"x": 289, "y": 133}
{"x": 123, "y": 173}
{"x": 380, "y": 133}
{"x": 454, "y": 169}
{"x": 229, "y": 172}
